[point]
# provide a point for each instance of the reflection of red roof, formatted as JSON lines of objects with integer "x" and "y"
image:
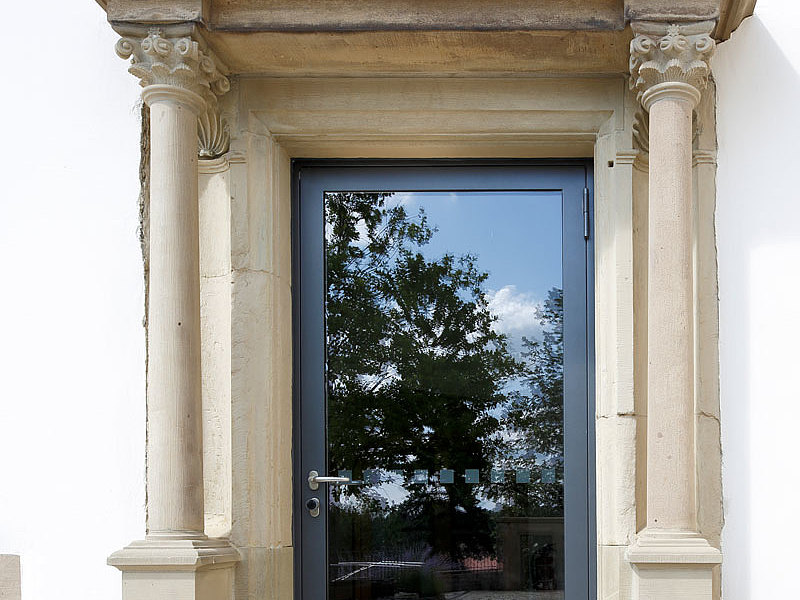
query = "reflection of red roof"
{"x": 482, "y": 564}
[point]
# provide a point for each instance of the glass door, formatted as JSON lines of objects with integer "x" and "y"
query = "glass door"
{"x": 442, "y": 382}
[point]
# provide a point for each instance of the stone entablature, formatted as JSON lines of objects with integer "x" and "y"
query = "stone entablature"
{"x": 251, "y": 16}
{"x": 435, "y": 37}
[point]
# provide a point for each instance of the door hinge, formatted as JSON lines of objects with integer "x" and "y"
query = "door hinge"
{"x": 586, "y": 213}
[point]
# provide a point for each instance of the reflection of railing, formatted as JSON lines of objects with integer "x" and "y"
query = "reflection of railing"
{"x": 372, "y": 569}
{"x": 470, "y": 573}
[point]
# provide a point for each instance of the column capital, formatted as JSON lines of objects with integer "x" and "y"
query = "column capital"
{"x": 670, "y": 60}
{"x": 177, "y": 66}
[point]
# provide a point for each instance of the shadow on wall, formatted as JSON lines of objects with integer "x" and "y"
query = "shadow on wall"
{"x": 758, "y": 211}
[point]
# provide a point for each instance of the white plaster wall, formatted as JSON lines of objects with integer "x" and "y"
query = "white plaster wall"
{"x": 758, "y": 235}
{"x": 72, "y": 418}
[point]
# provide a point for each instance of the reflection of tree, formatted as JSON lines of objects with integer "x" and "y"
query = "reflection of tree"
{"x": 414, "y": 365}
{"x": 534, "y": 420}
{"x": 418, "y": 378}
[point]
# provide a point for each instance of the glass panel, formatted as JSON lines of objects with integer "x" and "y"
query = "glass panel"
{"x": 444, "y": 395}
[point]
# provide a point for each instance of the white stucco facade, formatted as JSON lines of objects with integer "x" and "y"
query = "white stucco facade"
{"x": 758, "y": 209}
{"x": 72, "y": 355}
{"x": 72, "y": 427}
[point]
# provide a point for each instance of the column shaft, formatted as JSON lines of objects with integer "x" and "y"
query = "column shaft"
{"x": 670, "y": 375}
{"x": 175, "y": 441}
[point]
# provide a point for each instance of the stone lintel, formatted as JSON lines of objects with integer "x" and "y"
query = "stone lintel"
{"x": 432, "y": 15}
{"x": 429, "y": 15}
{"x": 368, "y": 15}
{"x": 672, "y": 10}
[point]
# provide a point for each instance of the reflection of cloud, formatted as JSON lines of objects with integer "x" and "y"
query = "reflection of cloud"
{"x": 390, "y": 493}
{"x": 515, "y": 311}
{"x": 412, "y": 199}
{"x": 402, "y": 199}
{"x": 363, "y": 233}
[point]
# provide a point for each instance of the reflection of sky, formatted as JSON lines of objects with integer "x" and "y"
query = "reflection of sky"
{"x": 516, "y": 237}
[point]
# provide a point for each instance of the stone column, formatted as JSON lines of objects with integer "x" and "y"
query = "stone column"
{"x": 176, "y": 559}
{"x": 669, "y": 71}
{"x": 174, "y": 441}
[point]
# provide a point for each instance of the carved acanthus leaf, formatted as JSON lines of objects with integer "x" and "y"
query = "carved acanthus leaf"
{"x": 156, "y": 59}
{"x": 180, "y": 61}
{"x": 681, "y": 54}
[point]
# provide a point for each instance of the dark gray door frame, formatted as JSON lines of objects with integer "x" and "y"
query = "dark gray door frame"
{"x": 311, "y": 178}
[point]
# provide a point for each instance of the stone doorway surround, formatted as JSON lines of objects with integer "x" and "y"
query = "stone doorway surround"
{"x": 237, "y": 89}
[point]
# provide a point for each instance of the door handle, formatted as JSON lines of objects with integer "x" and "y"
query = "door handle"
{"x": 314, "y": 479}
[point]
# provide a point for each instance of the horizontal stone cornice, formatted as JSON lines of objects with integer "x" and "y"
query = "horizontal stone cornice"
{"x": 432, "y": 15}
{"x": 731, "y": 15}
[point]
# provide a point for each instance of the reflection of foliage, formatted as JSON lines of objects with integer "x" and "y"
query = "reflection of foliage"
{"x": 418, "y": 378}
{"x": 541, "y": 416}
{"x": 414, "y": 364}
{"x": 535, "y": 421}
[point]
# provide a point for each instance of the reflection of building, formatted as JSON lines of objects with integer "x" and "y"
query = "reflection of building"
{"x": 531, "y": 550}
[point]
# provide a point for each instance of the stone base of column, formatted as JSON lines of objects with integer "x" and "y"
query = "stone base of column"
{"x": 672, "y": 564}
{"x": 194, "y": 569}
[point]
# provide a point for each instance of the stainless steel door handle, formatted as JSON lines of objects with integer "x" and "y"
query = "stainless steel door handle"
{"x": 314, "y": 480}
